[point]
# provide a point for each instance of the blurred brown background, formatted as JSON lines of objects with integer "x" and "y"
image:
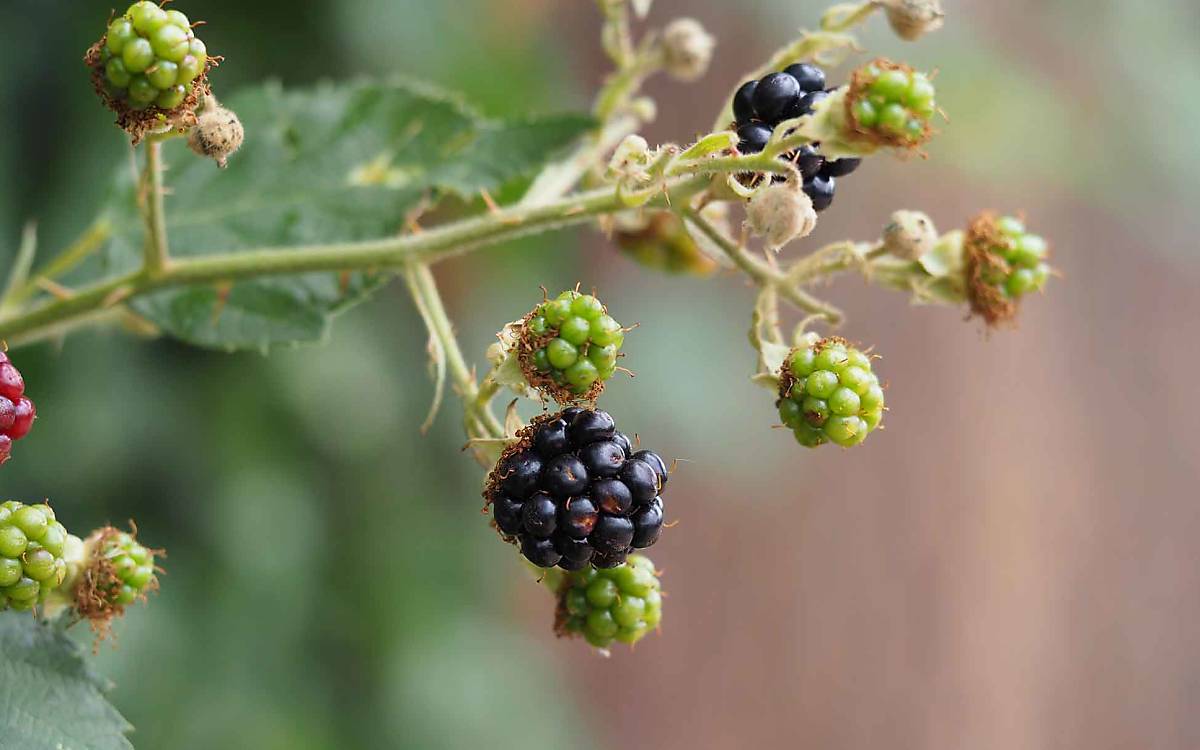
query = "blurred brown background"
{"x": 1011, "y": 564}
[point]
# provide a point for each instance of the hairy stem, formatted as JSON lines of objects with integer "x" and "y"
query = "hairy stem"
{"x": 156, "y": 253}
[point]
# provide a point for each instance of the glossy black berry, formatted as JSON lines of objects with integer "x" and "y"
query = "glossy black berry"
{"x": 565, "y": 476}
{"x": 647, "y": 524}
{"x": 743, "y": 102}
{"x": 612, "y": 533}
{"x": 603, "y": 458}
{"x": 810, "y": 101}
{"x": 589, "y": 426}
{"x": 641, "y": 479}
{"x": 551, "y": 439}
{"x": 753, "y": 136}
{"x": 540, "y": 552}
{"x": 569, "y": 491}
{"x": 612, "y": 496}
{"x": 507, "y": 513}
{"x": 808, "y": 160}
{"x": 520, "y": 474}
{"x": 809, "y": 76}
{"x": 820, "y": 190}
{"x": 840, "y": 167}
{"x": 773, "y": 95}
{"x": 539, "y": 516}
{"x": 656, "y": 462}
{"x": 577, "y": 517}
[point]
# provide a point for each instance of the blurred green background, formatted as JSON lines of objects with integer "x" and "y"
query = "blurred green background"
{"x": 1011, "y": 564}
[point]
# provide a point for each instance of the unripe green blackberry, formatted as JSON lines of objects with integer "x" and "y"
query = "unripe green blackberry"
{"x": 828, "y": 393}
{"x": 117, "y": 572}
{"x": 149, "y": 67}
{"x": 31, "y": 554}
{"x": 1003, "y": 264}
{"x": 613, "y": 604}
{"x": 568, "y": 347}
{"x": 891, "y": 103}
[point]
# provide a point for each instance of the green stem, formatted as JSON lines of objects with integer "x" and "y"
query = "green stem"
{"x": 156, "y": 253}
{"x": 19, "y": 275}
{"x": 87, "y": 243}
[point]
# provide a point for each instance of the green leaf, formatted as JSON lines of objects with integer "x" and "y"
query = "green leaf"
{"x": 50, "y": 699}
{"x": 331, "y": 164}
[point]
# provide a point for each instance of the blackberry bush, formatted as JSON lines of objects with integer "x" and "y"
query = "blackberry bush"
{"x": 619, "y": 604}
{"x": 16, "y": 410}
{"x": 31, "y": 554}
{"x": 574, "y": 492}
{"x": 1003, "y": 264}
{"x": 568, "y": 347}
{"x": 828, "y": 393}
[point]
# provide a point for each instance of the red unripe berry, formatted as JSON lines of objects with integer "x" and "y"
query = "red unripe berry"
{"x": 8, "y": 414}
{"x": 25, "y": 414}
{"x": 5, "y": 447}
{"x": 12, "y": 385}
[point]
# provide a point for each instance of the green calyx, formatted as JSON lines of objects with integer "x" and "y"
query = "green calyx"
{"x": 569, "y": 347}
{"x": 31, "y": 554}
{"x": 619, "y": 604}
{"x": 829, "y": 394}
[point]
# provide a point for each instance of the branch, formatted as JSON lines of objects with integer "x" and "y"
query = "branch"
{"x": 155, "y": 256}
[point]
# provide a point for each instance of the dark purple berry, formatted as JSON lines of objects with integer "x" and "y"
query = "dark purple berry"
{"x": 754, "y": 136}
{"x": 590, "y": 426}
{"x": 656, "y": 463}
{"x": 564, "y": 476}
{"x": 840, "y": 167}
{"x": 540, "y": 552}
{"x": 577, "y": 517}
{"x": 647, "y": 524}
{"x": 603, "y": 459}
{"x": 810, "y": 101}
{"x": 820, "y": 190}
{"x": 612, "y": 496}
{"x": 520, "y": 474}
{"x": 551, "y": 439}
{"x": 809, "y": 76}
{"x": 575, "y": 550}
{"x": 609, "y": 559}
{"x": 808, "y": 160}
{"x": 539, "y": 515}
{"x": 743, "y": 102}
{"x": 612, "y": 533}
{"x": 507, "y": 514}
{"x": 570, "y": 413}
{"x": 622, "y": 440}
{"x": 573, "y": 565}
{"x": 773, "y": 95}
{"x": 641, "y": 479}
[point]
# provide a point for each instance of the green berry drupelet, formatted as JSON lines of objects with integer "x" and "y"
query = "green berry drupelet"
{"x": 620, "y": 604}
{"x": 31, "y": 554}
{"x": 573, "y": 492}
{"x": 828, "y": 394}
{"x": 569, "y": 347}
{"x": 16, "y": 410}
{"x": 1003, "y": 264}
{"x": 117, "y": 572}
{"x": 891, "y": 104}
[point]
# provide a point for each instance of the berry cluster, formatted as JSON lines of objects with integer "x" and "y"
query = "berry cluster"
{"x": 759, "y": 106}
{"x": 31, "y": 554}
{"x": 891, "y": 103}
{"x": 1003, "y": 263}
{"x": 827, "y": 392}
{"x": 569, "y": 347}
{"x": 122, "y": 570}
{"x": 151, "y": 57}
{"x": 619, "y": 604}
{"x": 16, "y": 411}
{"x": 572, "y": 491}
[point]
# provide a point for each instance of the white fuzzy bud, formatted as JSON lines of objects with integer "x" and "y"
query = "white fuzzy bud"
{"x": 911, "y": 19}
{"x": 687, "y": 49}
{"x": 909, "y": 235}
{"x": 218, "y": 133}
{"x": 781, "y": 213}
{"x": 631, "y": 157}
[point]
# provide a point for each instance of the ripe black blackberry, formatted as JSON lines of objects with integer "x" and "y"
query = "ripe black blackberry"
{"x": 572, "y": 492}
{"x": 759, "y": 106}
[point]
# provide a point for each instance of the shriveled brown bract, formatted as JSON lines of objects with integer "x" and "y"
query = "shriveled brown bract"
{"x": 98, "y": 585}
{"x": 987, "y": 300}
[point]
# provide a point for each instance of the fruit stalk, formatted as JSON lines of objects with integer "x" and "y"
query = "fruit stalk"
{"x": 156, "y": 248}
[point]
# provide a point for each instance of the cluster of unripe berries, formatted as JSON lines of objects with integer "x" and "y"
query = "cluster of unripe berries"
{"x": 128, "y": 567}
{"x": 31, "y": 554}
{"x": 16, "y": 411}
{"x": 1024, "y": 255}
{"x": 151, "y": 57}
{"x": 573, "y": 492}
{"x": 892, "y": 102}
{"x": 828, "y": 393}
{"x": 618, "y": 604}
{"x": 569, "y": 346}
{"x": 760, "y": 106}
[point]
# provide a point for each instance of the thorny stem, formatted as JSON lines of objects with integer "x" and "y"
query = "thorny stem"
{"x": 763, "y": 274}
{"x": 90, "y": 241}
{"x": 156, "y": 253}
